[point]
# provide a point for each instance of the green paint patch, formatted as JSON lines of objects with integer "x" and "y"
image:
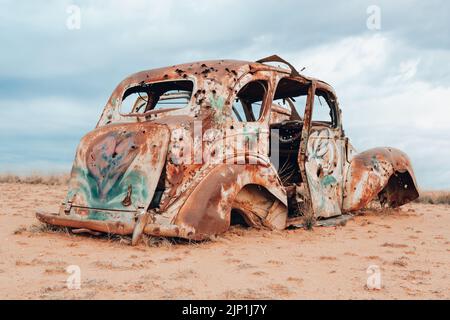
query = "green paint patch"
{"x": 216, "y": 103}
{"x": 328, "y": 180}
{"x": 251, "y": 134}
{"x": 97, "y": 215}
{"x": 89, "y": 188}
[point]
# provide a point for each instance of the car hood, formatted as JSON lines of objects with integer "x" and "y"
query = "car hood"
{"x": 117, "y": 168}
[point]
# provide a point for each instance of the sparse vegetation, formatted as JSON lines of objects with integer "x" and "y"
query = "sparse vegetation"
{"x": 20, "y": 230}
{"x": 44, "y": 227}
{"x": 151, "y": 241}
{"x": 309, "y": 221}
{"x": 434, "y": 197}
{"x": 35, "y": 178}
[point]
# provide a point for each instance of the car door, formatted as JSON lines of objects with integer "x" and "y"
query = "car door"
{"x": 324, "y": 156}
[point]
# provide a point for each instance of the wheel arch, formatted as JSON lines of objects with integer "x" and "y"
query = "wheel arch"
{"x": 207, "y": 210}
{"x": 386, "y": 173}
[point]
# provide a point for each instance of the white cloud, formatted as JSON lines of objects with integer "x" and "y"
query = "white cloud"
{"x": 349, "y": 59}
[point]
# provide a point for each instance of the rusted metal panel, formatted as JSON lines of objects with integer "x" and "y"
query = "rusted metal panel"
{"x": 324, "y": 170}
{"x": 221, "y": 187}
{"x": 116, "y": 169}
{"x": 369, "y": 174}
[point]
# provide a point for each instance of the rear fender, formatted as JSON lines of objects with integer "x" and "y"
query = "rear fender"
{"x": 385, "y": 173}
{"x": 207, "y": 209}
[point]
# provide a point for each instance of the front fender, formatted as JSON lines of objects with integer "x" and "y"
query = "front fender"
{"x": 207, "y": 209}
{"x": 383, "y": 172}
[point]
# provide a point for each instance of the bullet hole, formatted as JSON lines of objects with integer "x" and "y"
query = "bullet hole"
{"x": 319, "y": 172}
{"x": 114, "y": 154}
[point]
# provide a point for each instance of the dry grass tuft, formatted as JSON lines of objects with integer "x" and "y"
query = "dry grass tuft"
{"x": 434, "y": 197}
{"x": 151, "y": 241}
{"x": 20, "y": 230}
{"x": 36, "y": 178}
{"x": 44, "y": 228}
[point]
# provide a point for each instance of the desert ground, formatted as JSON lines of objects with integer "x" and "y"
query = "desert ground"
{"x": 411, "y": 247}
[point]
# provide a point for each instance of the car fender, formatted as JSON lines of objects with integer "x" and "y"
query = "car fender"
{"x": 207, "y": 210}
{"x": 383, "y": 172}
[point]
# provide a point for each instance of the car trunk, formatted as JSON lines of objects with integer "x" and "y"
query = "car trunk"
{"x": 116, "y": 171}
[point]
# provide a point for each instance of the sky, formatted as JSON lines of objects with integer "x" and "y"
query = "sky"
{"x": 388, "y": 62}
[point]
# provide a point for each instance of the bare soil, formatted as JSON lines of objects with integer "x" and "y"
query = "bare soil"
{"x": 411, "y": 246}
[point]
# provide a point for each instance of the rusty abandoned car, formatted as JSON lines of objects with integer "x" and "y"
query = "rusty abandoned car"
{"x": 187, "y": 150}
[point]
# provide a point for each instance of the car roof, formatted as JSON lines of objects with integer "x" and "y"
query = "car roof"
{"x": 231, "y": 69}
{"x": 223, "y": 72}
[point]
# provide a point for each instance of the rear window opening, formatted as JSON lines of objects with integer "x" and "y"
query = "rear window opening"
{"x": 159, "y": 96}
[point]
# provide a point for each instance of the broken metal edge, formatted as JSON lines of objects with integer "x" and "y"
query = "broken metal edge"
{"x": 103, "y": 226}
{"x": 116, "y": 227}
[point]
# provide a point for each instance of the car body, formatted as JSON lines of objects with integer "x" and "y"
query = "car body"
{"x": 186, "y": 150}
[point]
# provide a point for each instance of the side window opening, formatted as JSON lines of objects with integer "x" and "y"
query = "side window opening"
{"x": 286, "y": 123}
{"x": 291, "y": 95}
{"x": 323, "y": 111}
{"x": 247, "y": 105}
{"x": 167, "y": 95}
{"x": 294, "y": 106}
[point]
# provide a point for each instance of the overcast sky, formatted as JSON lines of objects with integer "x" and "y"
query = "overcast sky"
{"x": 393, "y": 82}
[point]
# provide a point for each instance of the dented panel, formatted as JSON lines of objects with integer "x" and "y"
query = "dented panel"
{"x": 116, "y": 169}
{"x": 324, "y": 166}
{"x": 381, "y": 172}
